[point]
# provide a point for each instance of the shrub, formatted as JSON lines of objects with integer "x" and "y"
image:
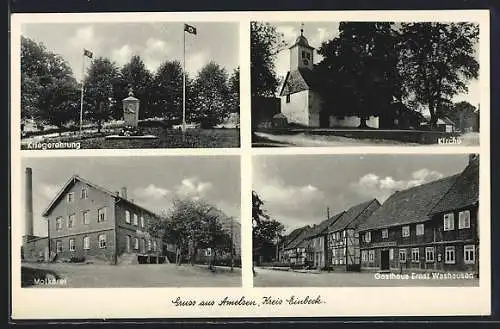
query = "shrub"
{"x": 77, "y": 259}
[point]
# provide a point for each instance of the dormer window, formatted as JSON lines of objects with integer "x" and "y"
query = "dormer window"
{"x": 83, "y": 193}
{"x": 71, "y": 197}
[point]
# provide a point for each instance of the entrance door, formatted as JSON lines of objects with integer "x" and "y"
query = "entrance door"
{"x": 384, "y": 259}
{"x": 128, "y": 243}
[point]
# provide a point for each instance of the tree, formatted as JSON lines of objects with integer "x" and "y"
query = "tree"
{"x": 459, "y": 112}
{"x": 100, "y": 83}
{"x": 358, "y": 71}
{"x": 134, "y": 74}
{"x": 436, "y": 62}
{"x": 167, "y": 91}
{"x": 212, "y": 96}
{"x": 47, "y": 85}
{"x": 234, "y": 91}
{"x": 265, "y": 43}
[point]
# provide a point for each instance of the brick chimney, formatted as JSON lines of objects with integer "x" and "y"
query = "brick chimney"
{"x": 124, "y": 192}
{"x": 28, "y": 227}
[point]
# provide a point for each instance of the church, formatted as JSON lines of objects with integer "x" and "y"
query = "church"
{"x": 300, "y": 102}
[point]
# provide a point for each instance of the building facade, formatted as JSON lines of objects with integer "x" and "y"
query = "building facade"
{"x": 431, "y": 227}
{"x": 89, "y": 223}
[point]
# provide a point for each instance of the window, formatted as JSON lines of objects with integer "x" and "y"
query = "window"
{"x": 59, "y": 246}
{"x": 391, "y": 254}
{"x": 402, "y": 255}
{"x": 71, "y": 197}
{"x": 449, "y": 222}
{"x": 86, "y": 243}
{"x": 101, "y": 215}
{"x": 71, "y": 220}
{"x": 208, "y": 252}
{"x": 127, "y": 216}
{"x": 155, "y": 246}
{"x": 59, "y": 221}
{"x": 136, "y": 243}
{"x": 303, "y": 54}
{"x": 288, "y": 98}
{"x": 371, "y": 256}
{"x": 102, "y": 240}
{"x": 143, "y": 245}
{"x": 150, "y": 245}
{"x": 84, "y": 194}
{"x": 464, "y": 219}
{"x": 385, "y": 233}
{"x": 308, "y": 55}
{"x": 136, "y": 221}
{"x": 72, "y": 244}
{"x": 368, "y": 236}
{"x": 142, "y": 221}
{"x": 419, "y": 229}
{"x": 429, "y": 254}
{"x": 469, "y": 254}
{"x": 449, "y": 255}
{"x": 415, "y": 255}
{"x": 85, "y": 217}
{"x": 406, "y": 231}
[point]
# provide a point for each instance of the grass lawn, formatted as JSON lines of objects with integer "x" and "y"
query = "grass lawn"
{"x": 144, "y": 275}
{"x": 167, "y": 138}
{"x": 170, "y": 138}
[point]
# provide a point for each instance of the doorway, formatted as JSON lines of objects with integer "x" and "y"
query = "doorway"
{"x": 384, "y": 260}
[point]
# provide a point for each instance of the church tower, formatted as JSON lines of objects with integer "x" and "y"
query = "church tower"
{"x": 301, "y": 53}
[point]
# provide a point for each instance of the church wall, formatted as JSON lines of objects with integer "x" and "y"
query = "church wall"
{"x": 314, "y": 109}
{"x": 352, "y": 122}
{"x": 297, "y": 110}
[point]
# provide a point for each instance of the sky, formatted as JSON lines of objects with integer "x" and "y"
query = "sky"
{"x": 297, "y": 189}
{"x": 152, "y": 181}
{"x": 154, "y": 42}
{"x": 318, "y": 32}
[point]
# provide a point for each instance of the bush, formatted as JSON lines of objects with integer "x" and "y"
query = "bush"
{"x": 275, "y": 264}
{"x": 77, "y": 259}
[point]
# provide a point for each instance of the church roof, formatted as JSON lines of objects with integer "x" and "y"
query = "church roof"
{"x": 298, "y": 80}
{"x": 301, "y": 41}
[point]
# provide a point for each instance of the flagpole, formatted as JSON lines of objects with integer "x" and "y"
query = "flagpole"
{"x": 81, "y": 92}
{"x": 184, "y": 80}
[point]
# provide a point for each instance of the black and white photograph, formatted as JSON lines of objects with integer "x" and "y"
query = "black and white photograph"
{"x": 131, "y": 222}
{"x": 352, "y": 83}
{"x": 366, "y": 220}
{"x": 126, "y": 85}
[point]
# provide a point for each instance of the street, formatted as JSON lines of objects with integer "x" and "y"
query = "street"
{"x": 146, "y": 275}
{"x": 274, "y": 278}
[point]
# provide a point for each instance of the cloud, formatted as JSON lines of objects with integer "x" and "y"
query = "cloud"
{"x": 155, "y": 52}
{"x": 195, "y": 62}
{"x": 374, "y": 186}
{"x": 85, "y": 37}
{"x": 122, "y": 55}
{"x": 151, "y": 192}
{"x": 48, "y": 191}
{"x": 193, "y": 188}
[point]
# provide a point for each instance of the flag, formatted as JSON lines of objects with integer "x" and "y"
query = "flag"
{"x": 87, "y": 53}
{"x": 189, "y": 29}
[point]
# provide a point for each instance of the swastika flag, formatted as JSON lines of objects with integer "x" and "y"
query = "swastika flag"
{"x": 87, "y": 53}
{"x": 190, "y": 29}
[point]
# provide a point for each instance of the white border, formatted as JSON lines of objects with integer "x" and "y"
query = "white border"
{"x": 350, "y": 301}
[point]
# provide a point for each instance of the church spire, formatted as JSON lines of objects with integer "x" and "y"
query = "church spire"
{"x": 302, "y": 29}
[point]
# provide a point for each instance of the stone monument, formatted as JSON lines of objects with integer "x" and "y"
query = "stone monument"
{"x": 131, "y": 119}
{"x": 131, "y": 109}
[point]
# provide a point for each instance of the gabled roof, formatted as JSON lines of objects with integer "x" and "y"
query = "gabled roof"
{"x": 409, "y": 206}
{"x": 292, "y": 236}
{"x": 299, "y": 239}
{"x": 298, "y": 80}
{"x": 72, "y": 181}
{"x": 323, "y": 226}
{"x": 354, "y": 216}
{"x": 464, "y": 192}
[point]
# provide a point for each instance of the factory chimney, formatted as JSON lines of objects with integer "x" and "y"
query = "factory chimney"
{"x": 124, "y": 193}
{"x": 28, "y": 228}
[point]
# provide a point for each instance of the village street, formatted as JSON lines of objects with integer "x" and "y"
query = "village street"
{"x": 146, "y": 275}
{"x": 274, "y": 278}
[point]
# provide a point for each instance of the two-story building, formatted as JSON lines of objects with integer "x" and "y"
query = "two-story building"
{"x": 429, "y": 227}
{"x": 295, "y": 252}
{"x": 86, "y": 221}
{"x": 316, "y": 244}
{"x": 286, "y": 241}
{"x": 343, "y": 238}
